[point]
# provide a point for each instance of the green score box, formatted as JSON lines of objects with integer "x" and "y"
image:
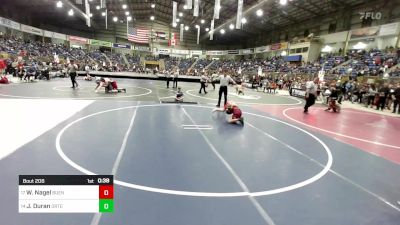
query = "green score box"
{"x": 106, "y": 205}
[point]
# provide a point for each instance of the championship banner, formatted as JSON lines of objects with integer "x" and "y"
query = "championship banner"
{"x": 321, "y": 75}
{"x": 239, "y": 14}
{"x": 160, "y": 35}
{"x": 80, "y": 40}
{"x": 87, "y": 10}
{"x": 48, "y": 33}
{"x": 217, "y": 7}
{"x": 189, "y": 4}
{"x": 212, "y": 30}
{"x": 59, "y": 36}
{"x": 181, "y": 32}
{"x": 9, "y": 23}
{"x": 100, "y": 43}
{"x": 32, "y": 30}
{"x": 196, "y": 8}
{"x": 198, "y": 34}
{"x": 174, "y": 9}
{"x": 364, "y": 32}
{"x": 389, "y": 29}
{"x": 116, "y": 45}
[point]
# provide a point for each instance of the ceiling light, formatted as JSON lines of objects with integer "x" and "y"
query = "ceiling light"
{"x": 59, "y": 4}
{"x": 180, "y": 14}
{"x": 124, "y": 6}
{"x": 71, "y": 12}
{"x": 115, "y": 19}
{"x": 129, "y": 18}
{"x": 259, "y": 12}
{"x": 186, "y": 28}
{"x": 127, "y": 13}
{"x": 244, "y": 20}
{"x": 91, "y": 15}
{"x": 231, "y": 26}
{"x": 283, "y": 2}
{"x": 153, "y": 6}
{"x": 178, "y": 20}
{"x": 197, "y": 26}
{"x": 151, "y": 17}
{"x": 202, "y": 21}
{"x": 327, "y": 48}
{"x": 284, "y": 53}
{"x": 184, "y": 6}
{"x": 98, "y": 7}
{"x": 222, "y": 31}
{"x": 103, "y": 14}
{"x": 207, "y": 29}
{"x": 174, "y": 24}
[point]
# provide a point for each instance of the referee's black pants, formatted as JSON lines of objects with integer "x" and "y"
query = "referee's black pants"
{"x": 72, "y": 75}
{"x": 222, "y": 89}
{"x": 203, "y": 86}
{"x": 309, "y": 102}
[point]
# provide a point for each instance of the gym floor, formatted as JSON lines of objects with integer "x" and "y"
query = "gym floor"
{"x": 181, "y": 164}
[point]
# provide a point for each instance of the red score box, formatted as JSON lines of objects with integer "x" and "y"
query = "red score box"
{"x": 106, "y": 192}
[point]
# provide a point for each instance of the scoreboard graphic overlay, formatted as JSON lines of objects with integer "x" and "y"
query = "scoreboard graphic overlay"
{"x": 66, "y": 194}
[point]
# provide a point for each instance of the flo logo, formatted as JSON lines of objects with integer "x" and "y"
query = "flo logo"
{"x": 371, "y": 15}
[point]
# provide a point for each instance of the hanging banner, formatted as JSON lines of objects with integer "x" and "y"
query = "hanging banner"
{"x": 247, "y": 51}
{"x": 262, "y": 49}
{"x": 233, "y": 52}
{"x": 196, "y": 52}
{"x": 80, "y": 40}
{"x": 217, "y": 7}
{"x": 196, "y": 8}
{"x": 160, "y": 35}
{"x": 87, "y": 9}
{"x": 174, "y": 9}
{"x": 102, "y": 4}
{"x": 164, "y": 51}
{"x": 48, "y": 33}
{"x": 106, "y": 19}
{"x": 279, "y": 46}
{"x": 59, "y": 36}
{"x": 216, "y": 52}
{"x": 9, "y": 23}
{"x": 32, "y": 30}
{"x": 116, "y": 45}
{"x": 189, "y": 4}
{"x": 180, "y": 51}
{"x": 239, "y": 14}
{"x": 141, "y": 48}
{"x": 198, "y": 34}
{"x": 100, "y": 43}
{"x": 173, "y": 41}
{"x": 181, "y": 32}
{"x": 212, "y": 30}
{"x": 389, "y": 29}
{"x": 365, "y": 32}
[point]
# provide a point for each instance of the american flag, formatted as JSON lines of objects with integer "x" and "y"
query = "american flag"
{"x": 138, "y": 35}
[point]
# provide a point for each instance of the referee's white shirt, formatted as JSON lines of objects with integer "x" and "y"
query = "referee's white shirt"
{"x": 224, "y": 81}
{"x": 311, "y": 87}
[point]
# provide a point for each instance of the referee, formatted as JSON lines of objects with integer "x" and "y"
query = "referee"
{"x": 311, "y": 94}
{"x": 223, "y": 87}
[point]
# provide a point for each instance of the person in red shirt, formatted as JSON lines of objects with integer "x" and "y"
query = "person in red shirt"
{"x": 232, "y": 108}
{"x": 3, "y": 79}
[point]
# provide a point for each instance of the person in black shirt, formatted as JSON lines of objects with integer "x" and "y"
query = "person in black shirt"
{"x": 383, "y": 94}
{"x": 332, "y": 100}
{"x": 396, "y": 96}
